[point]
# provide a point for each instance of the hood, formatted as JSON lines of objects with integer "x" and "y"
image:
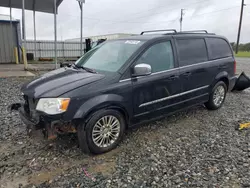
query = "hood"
{"x": 58, "y": 82}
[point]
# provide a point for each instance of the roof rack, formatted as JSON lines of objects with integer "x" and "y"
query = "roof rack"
{"x": 173, "y": 30}
{"x": 195, "y": 31}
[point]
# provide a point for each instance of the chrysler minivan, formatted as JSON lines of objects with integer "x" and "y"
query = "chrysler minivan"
{"x": 128, "y": 81}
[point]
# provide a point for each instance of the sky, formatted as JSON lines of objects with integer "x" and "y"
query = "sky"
{"x": 133, "y": 16}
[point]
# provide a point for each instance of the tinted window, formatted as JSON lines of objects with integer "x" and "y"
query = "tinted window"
{"x": 218, "y": 48}
{"x": 159, "y": 56}
{"x": 191, "y": 51}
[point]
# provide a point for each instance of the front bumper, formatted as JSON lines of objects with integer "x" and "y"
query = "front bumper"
{"x": 51, "y": 125}
{"x": 31, "y": 123}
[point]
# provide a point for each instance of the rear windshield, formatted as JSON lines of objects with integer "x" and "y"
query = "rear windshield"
{"x": 109, "y": 56}
{"x": 218, "y": 48}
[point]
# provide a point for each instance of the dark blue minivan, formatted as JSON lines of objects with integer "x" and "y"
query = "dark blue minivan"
{"x": 128, "y": 81}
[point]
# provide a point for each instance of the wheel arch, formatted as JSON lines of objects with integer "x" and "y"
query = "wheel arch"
{"x": 89, "y": 108}
{"x": 223, "y": 76}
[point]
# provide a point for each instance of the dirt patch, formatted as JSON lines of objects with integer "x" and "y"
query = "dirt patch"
{"x": 106, "y": 168}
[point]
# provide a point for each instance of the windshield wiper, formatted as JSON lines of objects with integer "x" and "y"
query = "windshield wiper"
{"x": 88, "y": 69}
{"x": 84, "y": 68}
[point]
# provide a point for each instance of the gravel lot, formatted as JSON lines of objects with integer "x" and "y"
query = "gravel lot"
{"x": 194, "y": 148}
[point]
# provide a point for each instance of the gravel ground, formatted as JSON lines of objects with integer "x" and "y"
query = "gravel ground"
{"x": 193, "y": 148}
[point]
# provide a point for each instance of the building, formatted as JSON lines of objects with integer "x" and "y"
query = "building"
{"x": 96, "y": 38}
{"x": 10, "y": 37}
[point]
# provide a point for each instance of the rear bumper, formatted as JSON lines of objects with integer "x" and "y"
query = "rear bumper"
{"x": 232, "y": 82}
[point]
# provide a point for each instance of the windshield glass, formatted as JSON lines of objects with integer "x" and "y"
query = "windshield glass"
{"x": 109, "y": 56}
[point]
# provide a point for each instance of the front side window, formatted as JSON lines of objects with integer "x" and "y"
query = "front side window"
{"x": 159, "y": 57}
{"x": 109, "y": 56}
{"x": 191, "y": 51}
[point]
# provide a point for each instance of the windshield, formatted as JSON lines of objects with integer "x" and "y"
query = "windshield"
{"x": 109, "y": 56}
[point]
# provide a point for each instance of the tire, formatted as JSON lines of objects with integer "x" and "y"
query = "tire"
{"x": 214, "y": 104}
{"x": 87, "y": 137}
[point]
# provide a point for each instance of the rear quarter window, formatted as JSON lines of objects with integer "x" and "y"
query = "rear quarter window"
{"x": 218, "y": 48}
{"x": 191, "y": 51}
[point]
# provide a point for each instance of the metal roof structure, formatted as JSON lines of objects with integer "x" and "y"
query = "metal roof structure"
{"x": 6, "y": 18}
{"x": 46, "y": 6}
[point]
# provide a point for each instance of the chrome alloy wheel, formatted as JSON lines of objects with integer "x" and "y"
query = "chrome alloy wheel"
{"x": 106, "y": 131}
{"x": 219, "y": 95}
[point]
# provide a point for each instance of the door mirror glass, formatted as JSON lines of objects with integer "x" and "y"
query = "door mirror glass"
{"x": 142, "y": 70}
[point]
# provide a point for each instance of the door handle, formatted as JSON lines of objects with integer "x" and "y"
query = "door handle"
{"x": 186, "y": 74}
{"x": 173, "y": 77}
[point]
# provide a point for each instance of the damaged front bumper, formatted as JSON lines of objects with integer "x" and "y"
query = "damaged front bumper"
{"x": 31, "y": 123}
{"x": 50, "y": 126}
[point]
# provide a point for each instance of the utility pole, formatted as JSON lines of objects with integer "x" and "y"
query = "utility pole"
{"x": 81, "y": 2}
{"x": 240, "y": 23}
{"x": 181, "y": 19}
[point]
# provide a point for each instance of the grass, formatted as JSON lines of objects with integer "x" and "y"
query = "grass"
{"x": 243, "y": 54}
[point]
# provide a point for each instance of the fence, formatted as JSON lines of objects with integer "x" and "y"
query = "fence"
{"x": 45, "y": 49}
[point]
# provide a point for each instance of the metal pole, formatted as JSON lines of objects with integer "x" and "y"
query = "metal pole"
{"x": 181, "y": 19}
{"x": 55, "y": 30}
{"x": 240, "y": 23}
{"x": 23, "y": 22}
{"x": 11, "y": 33}
{"x": 34, "y": 22}
{"x": 81, "y": 7}
{"x": 24, "y": 34}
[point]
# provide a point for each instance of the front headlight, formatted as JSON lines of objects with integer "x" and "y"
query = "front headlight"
{"x": 53, "y": 105}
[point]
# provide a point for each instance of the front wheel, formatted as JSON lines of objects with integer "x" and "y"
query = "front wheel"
{"x": 104, "y": 131}
{"x": 217, "y": 97}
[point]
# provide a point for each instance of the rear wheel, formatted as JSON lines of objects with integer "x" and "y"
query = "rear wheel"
{"x": 217, "y": 97}
{"x": 104, "y": 131}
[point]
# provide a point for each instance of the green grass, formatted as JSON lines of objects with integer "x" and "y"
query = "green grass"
{"x": 243, "y": 54}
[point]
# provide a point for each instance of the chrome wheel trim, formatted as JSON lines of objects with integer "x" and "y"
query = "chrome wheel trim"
{"x": 106, "y": 131}
{"x": 219, "y": 95}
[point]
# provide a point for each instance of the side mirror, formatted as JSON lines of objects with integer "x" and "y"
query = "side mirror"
{"x": 142, "y": 70}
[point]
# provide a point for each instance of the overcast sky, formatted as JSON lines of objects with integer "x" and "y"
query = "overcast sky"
{"x": 133, "y": 16}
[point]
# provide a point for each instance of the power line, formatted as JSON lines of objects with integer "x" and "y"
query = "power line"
{"x": 154, "y": 23}
{"x": 216, "y": 11}
{"x": 196, "y": 16}
{"x": 156, "y": 8}
{"x": 167, "y": 10}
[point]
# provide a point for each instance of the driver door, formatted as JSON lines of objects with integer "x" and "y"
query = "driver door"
{"x": 157, "y": 94}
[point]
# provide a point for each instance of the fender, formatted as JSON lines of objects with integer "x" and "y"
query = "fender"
{"x": 100, "y": 101}
{"x": 220, "y": 76}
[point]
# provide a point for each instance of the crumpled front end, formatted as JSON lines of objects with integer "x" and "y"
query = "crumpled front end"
{"x": 51, "y": 126}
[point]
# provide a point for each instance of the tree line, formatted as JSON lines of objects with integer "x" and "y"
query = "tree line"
{"x": 242, "y": 47}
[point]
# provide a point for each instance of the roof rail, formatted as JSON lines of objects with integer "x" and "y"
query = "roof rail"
{"x": 173, "y": 30}
{"x": 195, "y": 31}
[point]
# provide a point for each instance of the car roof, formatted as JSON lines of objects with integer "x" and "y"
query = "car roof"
{"x": 142, "y": 37}
{"x": 148, "y": 37}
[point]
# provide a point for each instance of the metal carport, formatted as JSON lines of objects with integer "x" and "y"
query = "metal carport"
{"x": 46, "y": 6}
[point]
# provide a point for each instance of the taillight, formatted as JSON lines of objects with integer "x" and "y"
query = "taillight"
{"x": 234, "y": 67}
